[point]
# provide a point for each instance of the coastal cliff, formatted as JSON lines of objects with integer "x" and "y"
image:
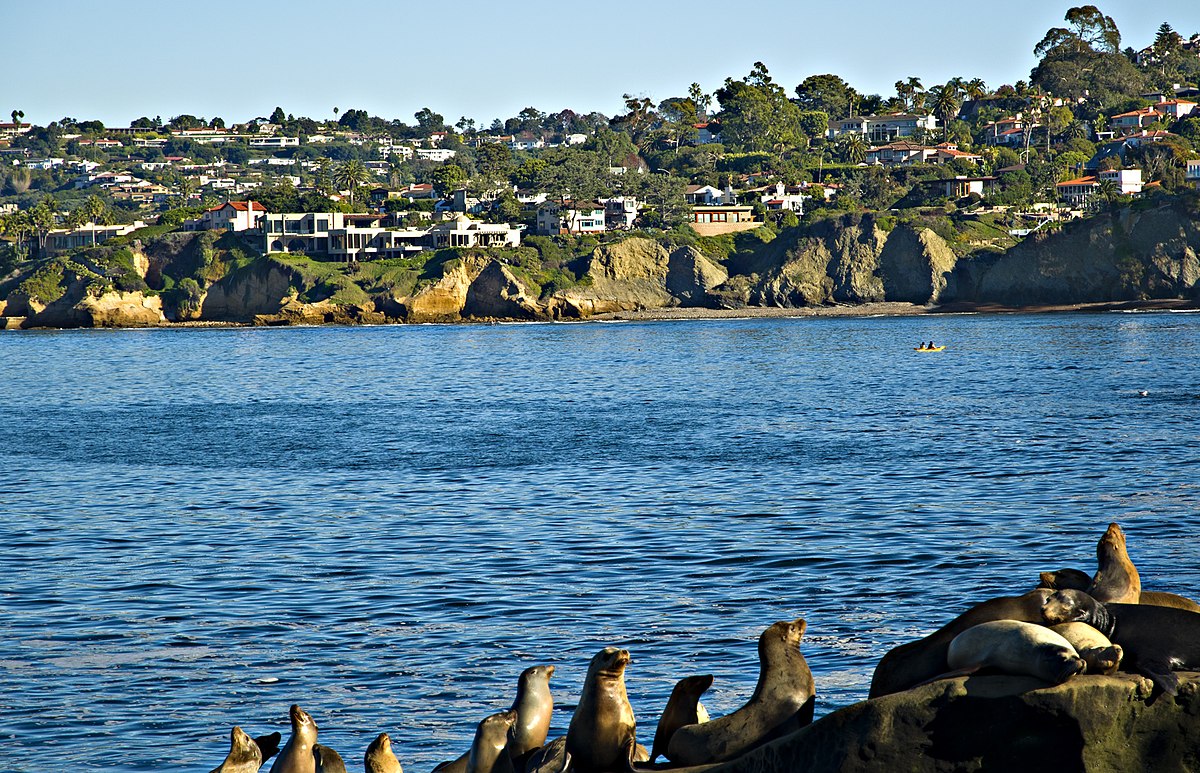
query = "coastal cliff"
{"x": 1141, "y": 253}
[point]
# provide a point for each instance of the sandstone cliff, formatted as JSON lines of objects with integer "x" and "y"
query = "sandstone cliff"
{"x": 994, "y": 723}
{"x": 260, "y": 288}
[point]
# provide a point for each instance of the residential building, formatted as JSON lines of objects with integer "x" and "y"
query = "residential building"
{"x": 883, "y": 128}
{"x": 462, "y": 231}
{"x": 43, "y": 163}
{"x": 573, "y": 218}
{"x": 435, "y": 154}
{"x": 708, "y": 133}
{"x": 527, "y": 142}
{"x": 722, "y": 213}
{"x": 1129, "y": 181}
{"x": 9, "y": 130}
{"x": 960, "y": 187}
{"x": 233, "y": 216}
{"x": 1193, "y": 173}
{"x": 1134, "y": 120}
{"x": 780, "y": 197}
{"x": 1078, "y": 192}
{"x": 63, "y": 239}
{"x": 279, "y": 142}
{"x": 705, "y": 194}
{"x": 620, "y": 212}
{"x": 1174, "y": 109}
{"x": 363, "y": 237}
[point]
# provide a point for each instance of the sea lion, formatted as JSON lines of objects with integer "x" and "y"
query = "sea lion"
{"x": 534, "y": 707}
{"x": 328, "y": 761}
{"x": 916, "y": 662}
{"x": 1015, "y": 647}
{"x": 244, "y": 755}
{"x": 1116, "y": 579}
{"x": 1065, "y": 579}
{"x": 683, "y": 708}
{"x": 380, "y": 758}
{"x": 1156, "y": 640}
{"x": 603, "y": 722}
{"x": 297, "y": 755}
{"x": 551, "y": 758}
{"x": 489, "y": 749}
{"x": 782, "y": 701}
{"x": 1101, "y": 655}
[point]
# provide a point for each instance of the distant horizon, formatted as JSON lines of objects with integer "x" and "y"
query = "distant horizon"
{"x": 485, "y": 62}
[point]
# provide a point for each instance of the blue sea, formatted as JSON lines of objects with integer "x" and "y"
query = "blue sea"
{"x": 387, "y": 525}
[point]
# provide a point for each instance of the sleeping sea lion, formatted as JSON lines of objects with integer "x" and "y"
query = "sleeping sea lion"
{"x": 1116, "y": 579}
{"x": 297, "y": 755}
{"x": 683, "y": 708}
{"x": 1101, "y": 655}
{"x": 782, "y": 702}
{"x": 1156, "y": 640}
{"x": 534, "y": 707}
{"x": 1015, "y": 647}
{"x": 244, "y": 755}
{"x": 911, "y": 664}
{"x": 380, "y": 758}
{"x": 603, "y": 723}
{"x": 489, "y": 750}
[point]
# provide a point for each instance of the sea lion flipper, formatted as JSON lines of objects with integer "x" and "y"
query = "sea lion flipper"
{"x": 1159, "y": 672}
{"x": 966, "y": 671}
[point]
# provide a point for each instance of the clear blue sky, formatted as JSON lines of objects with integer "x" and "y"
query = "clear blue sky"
{"x": 116, "y": 60}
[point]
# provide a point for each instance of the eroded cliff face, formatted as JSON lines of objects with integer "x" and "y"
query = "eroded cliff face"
{"x": 1129, "y": 255}
{"x": 261, "y": 288}
{"x": 851, "y": 262}
{"x": 497, "y": 293}
{"x": 86, "y": 305}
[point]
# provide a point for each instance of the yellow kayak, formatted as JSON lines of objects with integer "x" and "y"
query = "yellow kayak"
{"x": 928, "y": 348}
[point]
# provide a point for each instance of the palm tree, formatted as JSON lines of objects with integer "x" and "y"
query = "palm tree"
{"x": 854, "y": 148}
{"x": 945, "y": 105}
{"x": 1107, "y": 189}
{"x": 91, "y": 211}
{"x": 1076, "y": 130}
{"x": 350, "y": 175}
{"x": 975, "y": 89}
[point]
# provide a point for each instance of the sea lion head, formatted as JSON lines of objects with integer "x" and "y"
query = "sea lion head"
{"x": 609, "y": 663}
{"x": 694, "y": 685}
{"x": 1069, "y": 606}
{"x": 379, "y": 757}
{"x": 1065, "y": 664}
{"x": 301, "y": 720}
{"x": 242, "y": 747}
{"x": 1112, "y": 544}
{"x": 535, "y": 674}
{"x": 1065, "y": 579}
{"x": 786, "y": 632}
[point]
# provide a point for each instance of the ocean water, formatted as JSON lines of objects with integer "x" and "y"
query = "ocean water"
{"x": 386, "y": 525}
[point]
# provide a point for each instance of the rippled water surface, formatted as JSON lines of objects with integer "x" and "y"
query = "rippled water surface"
{"x": 386, "y": 525}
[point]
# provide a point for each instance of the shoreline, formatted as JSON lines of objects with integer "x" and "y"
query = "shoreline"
{"x": 675, "y": 313}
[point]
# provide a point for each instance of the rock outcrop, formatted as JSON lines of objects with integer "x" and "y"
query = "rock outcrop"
{"x": 442, "y": 301}
{"x": 981, "y": 723}
{"x": 259, "y": 289}
{"x": 851, "y": 262}
{"x": 691, "y": 277}
{"x": 496, "y": 292}
{"x": 1124, "y": 256}
{"x": 626, "y": 276}
{"x": 85, "y": 304}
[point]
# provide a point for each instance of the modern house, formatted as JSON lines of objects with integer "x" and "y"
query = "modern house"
{"x": 704, "y": 194}
{"x": 362, "y": 237}
{"x": 61, "y": 240}
{"x": 883, "y": 128}
{"x": 1193, "y": 173}
{"x": 620, "y": 212}
{"x": 960, "y": 187}
{"x": 1081, "y": 191}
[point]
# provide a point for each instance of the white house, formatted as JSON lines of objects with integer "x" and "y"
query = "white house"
{"x": 435, "y": 154}
{"x": 61, "y": 239}
{"x": 620, "y": 212}
{"x": 883, "y": 128}
{"x": 233, "y": 216}
{"x": 1129, "y": 181}
{"x": 274, "y": 142}
{"x": 704, "y": 194}
{"x": 779, "y": 197}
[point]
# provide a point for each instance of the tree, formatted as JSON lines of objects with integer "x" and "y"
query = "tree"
{"x": 91, "y": 211}
{"x": 701, "y": 100}
{"x": 181, "y": 122}
{"x": 350, "y": 175}
{"x": 756, "y": 114}
{"x": 278, "y": 116}
{"x": 429, "y": 121}
{"x": 448, "y": 178}
{"x": 1090, "y": 31}
{"x": 1108, "y": 190}
{"x": 854, "y": 148}
{"x": 826, "y": 93}
{"x": 945, "y": 103}
{"x": 975, "y": 89}
{"x": 17, "y": 115}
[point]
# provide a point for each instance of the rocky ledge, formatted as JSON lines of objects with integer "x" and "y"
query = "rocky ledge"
{"x": 999, "y": 723}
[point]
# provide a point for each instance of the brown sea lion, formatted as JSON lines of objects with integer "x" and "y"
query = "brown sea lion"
{"x": 268, "y": 744}
{"x": 1015, "y": 647}
{"x": 380, "y": 758}
{"x": 534, "y": 707}
{"x": 1065, "y": 579}
{"x": 1100, "y": 654}
{"x": 603, "y": 723}
{"x": 782, "y": 702}
{"x": 1156, "y": 640}
{"x": 683, "y": 708}
{"x": 551, "y": 758}
{"x": 298, "y": 755}
{"x": 911, "y": 664}
{"x": 244, "y": 755}
{"x": 1116, "y": 579}
{"x": 489, "y": 750}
